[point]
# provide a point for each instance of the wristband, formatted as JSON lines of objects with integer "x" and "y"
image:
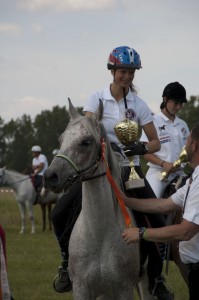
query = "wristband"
{"x": 145, "y": 237}
{"x": 142, "y": 230}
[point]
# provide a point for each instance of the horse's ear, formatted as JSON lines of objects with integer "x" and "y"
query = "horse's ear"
{"x": 72, "y": 110}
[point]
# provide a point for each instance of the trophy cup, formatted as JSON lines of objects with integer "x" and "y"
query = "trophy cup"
{"x": 182, "y": 158}
{"x": 127, "y": 133}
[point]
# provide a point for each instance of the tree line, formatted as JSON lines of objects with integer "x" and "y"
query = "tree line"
{"x": 18, "y": 136}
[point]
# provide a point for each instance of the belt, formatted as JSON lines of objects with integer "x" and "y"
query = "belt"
{"x": 193, "y": 266}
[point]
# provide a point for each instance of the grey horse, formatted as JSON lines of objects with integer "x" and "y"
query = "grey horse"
{"x": 25, "y": 195}
{"x": 101, "y": 265}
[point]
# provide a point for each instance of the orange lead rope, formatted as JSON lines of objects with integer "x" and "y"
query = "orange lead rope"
{"x": 125, "y": 213}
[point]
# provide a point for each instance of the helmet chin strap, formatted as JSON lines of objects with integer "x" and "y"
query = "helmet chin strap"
{"x": 124, "y": 95}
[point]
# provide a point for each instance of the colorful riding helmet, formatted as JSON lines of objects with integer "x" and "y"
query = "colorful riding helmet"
{"x": 175, "y": 91}
{"x": 124, "y": 57}
{"x": 36, "y": 148}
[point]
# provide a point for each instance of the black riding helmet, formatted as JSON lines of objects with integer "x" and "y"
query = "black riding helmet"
{"x": 174, "y": 91}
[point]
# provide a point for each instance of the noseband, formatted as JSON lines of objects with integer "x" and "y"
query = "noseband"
{"x": 81, "y": 176}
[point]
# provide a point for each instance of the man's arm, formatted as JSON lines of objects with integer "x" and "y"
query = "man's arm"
{"x": 152, "y": 205}
{"x": 179, "y": 232}
{"x": 38, "y": 168}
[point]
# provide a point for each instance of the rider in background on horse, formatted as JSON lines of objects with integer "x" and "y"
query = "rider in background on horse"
{"x": 120, "y": 101}
{"x": 187, "y": 232}
{"x": 39, "y": 165}
{"x": 172, "y": 133}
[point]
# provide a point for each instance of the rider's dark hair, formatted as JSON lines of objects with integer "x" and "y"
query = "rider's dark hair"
{"x": 162, "y": 105}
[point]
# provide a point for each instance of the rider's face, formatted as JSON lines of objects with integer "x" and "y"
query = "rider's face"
{"x": 173, "y": 106}
{"x": 123, "y": 77}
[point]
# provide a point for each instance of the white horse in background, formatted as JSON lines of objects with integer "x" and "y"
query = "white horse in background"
{"x": 101, "y": 265}
{"x": 25, "y": 195}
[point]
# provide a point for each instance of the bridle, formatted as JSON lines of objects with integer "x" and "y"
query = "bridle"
{"x": 80, "y": 175}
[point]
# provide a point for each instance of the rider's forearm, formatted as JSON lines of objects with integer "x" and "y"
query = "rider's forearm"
{"x": 154, "y": 159}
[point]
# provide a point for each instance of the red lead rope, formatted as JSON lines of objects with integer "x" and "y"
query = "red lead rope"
{"x": 116, "y": 191}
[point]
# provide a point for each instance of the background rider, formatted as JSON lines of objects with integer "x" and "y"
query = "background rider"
{"x": 172, "y": 133}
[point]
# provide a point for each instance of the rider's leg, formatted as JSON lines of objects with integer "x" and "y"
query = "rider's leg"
{"x": 38, "y": 181}
{"x": 64, "y": 216}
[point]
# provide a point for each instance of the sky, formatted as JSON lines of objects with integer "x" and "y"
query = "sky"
{"x": 54, "y": 49}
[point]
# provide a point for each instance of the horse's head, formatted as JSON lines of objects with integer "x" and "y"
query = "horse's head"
{"x": 80, "y": 151}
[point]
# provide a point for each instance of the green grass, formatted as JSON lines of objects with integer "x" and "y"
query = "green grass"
{"x": 33, "y": 258}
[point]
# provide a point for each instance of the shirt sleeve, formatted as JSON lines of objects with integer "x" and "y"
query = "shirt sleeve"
{"x": 191, "y": 207}
{"x": 178, "y": 196}
{"x": 92, "y": 103}
{"x": 145, "y": 113}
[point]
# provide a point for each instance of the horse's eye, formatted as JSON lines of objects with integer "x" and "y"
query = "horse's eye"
{"x": 86, "y": 143}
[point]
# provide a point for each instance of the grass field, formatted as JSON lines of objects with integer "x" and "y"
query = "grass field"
{"x": 33, "y": 259}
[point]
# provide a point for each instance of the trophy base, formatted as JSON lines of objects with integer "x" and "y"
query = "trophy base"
{"x": 134, "y": 184}
{"x": 163, "y": 178}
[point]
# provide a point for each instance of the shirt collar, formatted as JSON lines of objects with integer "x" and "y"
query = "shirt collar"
{"x": 166, "y": 119}
{"x": 196, "y": 172}
{"x": 107, "y": 95}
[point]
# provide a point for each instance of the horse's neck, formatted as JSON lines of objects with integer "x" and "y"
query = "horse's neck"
{"x": 13, "y": 179}
{"x": 99, "y": 204}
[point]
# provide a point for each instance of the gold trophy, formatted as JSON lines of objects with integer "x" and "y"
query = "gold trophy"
{"x": 182, "y": 159}
{"x": 127, "y": 133}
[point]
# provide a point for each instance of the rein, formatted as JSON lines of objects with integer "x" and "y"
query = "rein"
{"x": 116, "y": 190}
{"x": 15, "y": 182}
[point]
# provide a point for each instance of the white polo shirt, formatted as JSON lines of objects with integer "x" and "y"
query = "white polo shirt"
{"x": 172, "y": 136}
{"x": 189, "y": 250}
{"x": 40, "y": 159}
{"x": 114, "y": 112}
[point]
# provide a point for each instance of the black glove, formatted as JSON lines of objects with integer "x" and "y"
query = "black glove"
{"x": 135, "y": 149}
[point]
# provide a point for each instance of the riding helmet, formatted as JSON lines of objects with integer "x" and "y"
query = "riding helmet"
{"x": 36, "y": 148}
{"x": 175, "y": 91}
{"x": 124, "y": 57}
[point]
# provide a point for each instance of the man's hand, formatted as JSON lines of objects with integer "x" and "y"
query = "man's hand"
{"x": 131, "y": 235}
{"x": 135, "y": 149}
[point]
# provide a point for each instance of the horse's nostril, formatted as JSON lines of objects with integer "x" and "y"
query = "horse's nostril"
{"x": 51, "y": 180}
